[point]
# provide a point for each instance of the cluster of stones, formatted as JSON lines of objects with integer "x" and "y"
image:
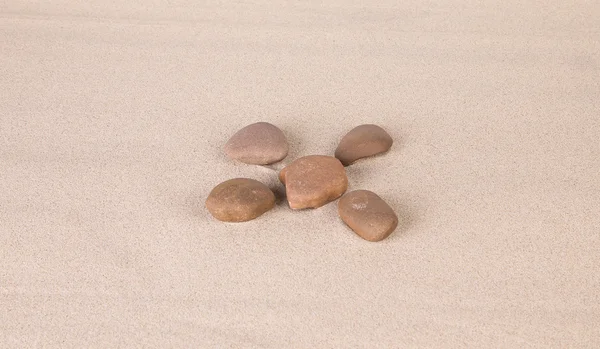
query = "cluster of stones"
{"x": 310, "y": 181}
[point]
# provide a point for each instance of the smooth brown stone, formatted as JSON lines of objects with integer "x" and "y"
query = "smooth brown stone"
{"x": 258, "y": 144}
{"x": 239, "y": 200}
{"x": 363, "y": 141}
{"x": 314, "y": 180}
{"x": 367, "y": 215}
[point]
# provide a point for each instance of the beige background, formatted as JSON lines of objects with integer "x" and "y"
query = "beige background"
{"x": 112, "y": 119}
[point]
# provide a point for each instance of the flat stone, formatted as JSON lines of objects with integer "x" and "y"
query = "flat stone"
{"x": 314, "y": 180}
{"x": 258, "y": 144}
{"x": 239, "y": 200}
{"x": 363, "y": 141}
{"x": 367, "y": 215}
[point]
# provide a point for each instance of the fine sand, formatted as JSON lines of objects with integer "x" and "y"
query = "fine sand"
{"x": 112, "y": 120}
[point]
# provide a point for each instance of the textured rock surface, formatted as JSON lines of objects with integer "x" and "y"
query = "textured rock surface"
{"x": 367, "y": 215}
{"x": 363, "y": 141}
{"x": 259, "y": 144}
{"x": 239, "y": 200}
{"x": 314, "y": 180}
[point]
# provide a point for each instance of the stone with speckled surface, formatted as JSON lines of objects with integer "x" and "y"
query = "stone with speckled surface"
{"x": 367, "y": 215}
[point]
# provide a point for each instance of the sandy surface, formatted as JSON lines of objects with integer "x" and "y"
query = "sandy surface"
{"x": 112, "y": 119}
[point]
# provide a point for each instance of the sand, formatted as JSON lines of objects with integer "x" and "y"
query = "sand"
{"x": 112, "y": 120}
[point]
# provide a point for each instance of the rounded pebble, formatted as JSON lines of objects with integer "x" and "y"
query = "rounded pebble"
{"x": 239, "y": 200}
{"x": 259, "y": 144}
{"x": 363, "y": 141}
{"x": 367, "y": 215}
{"x": 314, "y": 180}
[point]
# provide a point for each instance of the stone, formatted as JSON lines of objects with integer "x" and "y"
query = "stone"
{"x": 258, "y": 144}
{"x": 314, "y": 180}
{"x": 363, "y": 141}
{"x": 239, "y": 200}
{"x": 367, "y": 215}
